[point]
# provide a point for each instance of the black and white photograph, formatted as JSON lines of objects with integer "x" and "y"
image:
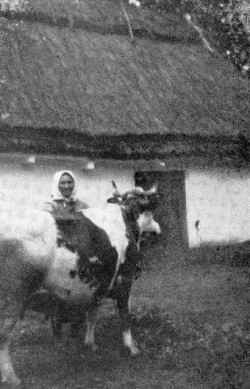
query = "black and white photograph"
{"x": 124, "y": 194}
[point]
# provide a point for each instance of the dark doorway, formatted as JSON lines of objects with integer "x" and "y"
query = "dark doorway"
{"x": 171, "y": 213}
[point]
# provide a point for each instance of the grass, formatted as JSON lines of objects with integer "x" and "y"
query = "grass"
{"x": 190, "y": 319}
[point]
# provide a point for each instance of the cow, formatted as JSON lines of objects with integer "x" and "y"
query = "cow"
{"x": 124, "y": 226}
{"x": 135, "y": 215}
{"x": 142, "y": 202}
{"x": 100, "y": 261}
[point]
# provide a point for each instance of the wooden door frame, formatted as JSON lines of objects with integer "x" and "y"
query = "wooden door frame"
{"x": 178, "y": 175}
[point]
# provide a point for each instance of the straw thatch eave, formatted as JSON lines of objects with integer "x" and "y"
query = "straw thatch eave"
{"x": 185, "y": 149}
{"x": 126, "y": 101}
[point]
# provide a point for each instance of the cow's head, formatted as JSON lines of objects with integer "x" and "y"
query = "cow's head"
{"x": 137, "y": 207}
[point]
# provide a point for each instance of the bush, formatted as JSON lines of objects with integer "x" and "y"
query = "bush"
{"x": 224, "y": 23}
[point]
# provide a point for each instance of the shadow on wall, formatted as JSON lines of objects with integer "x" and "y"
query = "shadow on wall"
{"x": 234, "y": 254}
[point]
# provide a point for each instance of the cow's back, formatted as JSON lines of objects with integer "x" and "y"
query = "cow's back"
{"x": 96, "y": 261}
{"x": 27, "y": 247}
{"x": 111, "y": 221}
{"x": 35, "y": 231}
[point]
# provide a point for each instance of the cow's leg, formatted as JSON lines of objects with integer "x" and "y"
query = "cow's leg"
{"x": 17, "y": 281}
{"x": 56, "y": 324}
{"x": 8, "y": 322}
{"x": 123, "y": 303}
{"x": 11, "y": 309}
{"x": 91, "y": 319}
{"x": 75, "y": 327}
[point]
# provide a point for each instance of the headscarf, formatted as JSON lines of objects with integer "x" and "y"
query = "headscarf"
{"x": 55, "y": 192}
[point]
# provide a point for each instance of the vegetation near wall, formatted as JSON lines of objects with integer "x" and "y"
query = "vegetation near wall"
{"x": 224, "y": 25}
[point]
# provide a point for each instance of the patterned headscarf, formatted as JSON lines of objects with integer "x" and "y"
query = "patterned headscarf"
{"x": 55, "y": 192}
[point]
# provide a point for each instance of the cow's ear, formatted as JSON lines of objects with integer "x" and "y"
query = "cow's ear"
{"x": 157, "y": 196}
{"x": 113, "y": 200}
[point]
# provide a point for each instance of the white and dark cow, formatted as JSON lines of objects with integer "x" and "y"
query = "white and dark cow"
{"x": 124, "y": 226}
{"x": 100, "y": 260}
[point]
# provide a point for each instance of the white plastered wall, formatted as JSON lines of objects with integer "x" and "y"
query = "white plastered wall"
{"x": 30, "y": 186}
{"x": 218, "y": 206}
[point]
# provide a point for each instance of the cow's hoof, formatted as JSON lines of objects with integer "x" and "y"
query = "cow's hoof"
{"x": 57, "y": 332}
{"x": 57, "y": 335}
{"x": 10, "y": 382}
{"x": 130, "y": 352}
{"x": 134, "y": 351}
{"x": 74, "y": 331}
{"x": 91, "y": 347}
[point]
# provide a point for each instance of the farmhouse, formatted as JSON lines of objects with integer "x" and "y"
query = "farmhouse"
{"x": 76, "y": 93}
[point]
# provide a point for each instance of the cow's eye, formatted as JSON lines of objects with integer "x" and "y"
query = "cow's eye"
{"x": 130, "y": 196}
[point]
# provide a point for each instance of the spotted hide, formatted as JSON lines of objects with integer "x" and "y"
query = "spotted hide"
{"x": 96, "y": 258}
{"x": 30, "y": 259}
{"x": 123, "y": 221}
{"x": 107, "y": 264}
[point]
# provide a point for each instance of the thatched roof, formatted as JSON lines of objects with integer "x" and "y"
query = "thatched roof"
{"x": 103, "y": 16}
{"x": 87, "y": 78}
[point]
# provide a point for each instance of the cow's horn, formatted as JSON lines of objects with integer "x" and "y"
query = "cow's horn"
{"x": 114, "y": 184}
{"x": 116, "y": 191}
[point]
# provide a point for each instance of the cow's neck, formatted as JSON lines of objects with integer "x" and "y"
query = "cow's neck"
{"x": 132, "y": 229}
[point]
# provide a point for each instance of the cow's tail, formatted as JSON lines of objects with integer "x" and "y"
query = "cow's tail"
{"x": 117, "y": 268}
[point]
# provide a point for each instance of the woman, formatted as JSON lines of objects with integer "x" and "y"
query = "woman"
{"x": 64, "y": 204}
{"x": 65, "y": 207}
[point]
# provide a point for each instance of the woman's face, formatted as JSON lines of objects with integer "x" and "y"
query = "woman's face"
{"x": 66, "y": 185}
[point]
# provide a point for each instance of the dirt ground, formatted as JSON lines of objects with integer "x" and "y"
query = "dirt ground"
{"x": 191, "y": 320}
